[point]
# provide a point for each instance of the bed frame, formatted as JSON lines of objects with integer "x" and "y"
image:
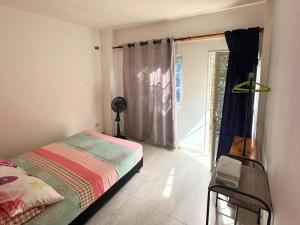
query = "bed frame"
{"x": 96, "y": 206}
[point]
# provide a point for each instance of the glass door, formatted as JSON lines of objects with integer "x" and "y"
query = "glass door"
{"x": 218, "y": 62}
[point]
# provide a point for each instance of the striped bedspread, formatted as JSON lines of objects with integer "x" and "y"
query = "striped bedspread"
{"x": 81, "y": 168}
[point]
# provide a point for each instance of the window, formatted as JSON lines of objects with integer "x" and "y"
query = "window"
{"x": 178, "y": 83}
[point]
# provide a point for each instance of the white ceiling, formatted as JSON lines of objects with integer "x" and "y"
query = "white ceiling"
{"x": 122, "y": 13}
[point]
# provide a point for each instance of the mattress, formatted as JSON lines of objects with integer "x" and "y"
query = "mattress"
{"x": 81, "y": 168}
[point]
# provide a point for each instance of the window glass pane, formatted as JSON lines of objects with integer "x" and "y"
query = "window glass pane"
{"x": 222, "y": 63}
{"x": 178, "y": 82}
{"x": 218, "y": 62}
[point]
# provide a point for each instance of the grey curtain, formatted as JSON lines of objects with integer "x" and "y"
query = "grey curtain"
{"x": 148, "y": 89}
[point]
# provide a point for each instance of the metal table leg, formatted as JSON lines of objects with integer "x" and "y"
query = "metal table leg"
{"x": 258, "y": 217}
{"x": 208, "y": 205}
{"x": 269, "y": 218}
{"x": 236, "y": 215}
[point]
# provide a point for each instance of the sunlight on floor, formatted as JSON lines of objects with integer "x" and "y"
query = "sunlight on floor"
{"x": 168, "y": 187}
{"x": 171, "y": 189}
{"x": 196, "y": 155}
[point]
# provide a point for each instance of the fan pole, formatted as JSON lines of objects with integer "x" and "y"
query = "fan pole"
{"x": 118, "y": 125}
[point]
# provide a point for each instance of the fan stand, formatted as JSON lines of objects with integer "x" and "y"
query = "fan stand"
{"x": 118, "y": 127}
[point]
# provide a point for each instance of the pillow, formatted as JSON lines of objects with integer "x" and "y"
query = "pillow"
{"x": 20, "y": 192}
{"x": 21, "y": 218}
{"x": 8, "y": 163}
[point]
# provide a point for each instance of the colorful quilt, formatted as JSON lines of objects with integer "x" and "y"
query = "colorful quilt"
{"x": 80, "y": 168}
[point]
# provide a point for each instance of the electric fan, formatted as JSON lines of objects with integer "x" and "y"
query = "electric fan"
{"x": 118, "y": 105}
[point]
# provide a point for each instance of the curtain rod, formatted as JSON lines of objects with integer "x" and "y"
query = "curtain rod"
{"x": 202, "y": 36}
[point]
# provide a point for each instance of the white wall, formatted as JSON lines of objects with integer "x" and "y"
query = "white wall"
{"x": 108, "y": 79}
{"x": 242, "y": 17}
{"x": 193, "y": 109}
{"x": 265, "y": 62}
{"x": 50, "y": 80}
{"x": 282, "y": 122}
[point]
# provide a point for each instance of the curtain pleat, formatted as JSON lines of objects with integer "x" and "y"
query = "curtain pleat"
{"x": 148, "y": 88}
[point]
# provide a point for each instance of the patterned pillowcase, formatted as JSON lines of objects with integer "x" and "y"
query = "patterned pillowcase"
{"x": 8, "y": 163}
{"x": 21, "y": 218}
{"x": 20, "y": 192}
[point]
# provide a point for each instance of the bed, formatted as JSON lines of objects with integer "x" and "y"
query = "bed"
{"x": 86, "y": 169}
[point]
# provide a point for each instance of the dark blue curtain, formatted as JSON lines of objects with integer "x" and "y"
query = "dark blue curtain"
{"x": 243, "y": 58}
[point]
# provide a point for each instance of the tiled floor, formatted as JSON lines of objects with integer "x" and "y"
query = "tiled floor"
{"x": 171, "y": 189}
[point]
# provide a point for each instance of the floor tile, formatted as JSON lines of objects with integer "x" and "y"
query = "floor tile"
{"x": 171, "y": 189}
{"x": 124, "y": 210}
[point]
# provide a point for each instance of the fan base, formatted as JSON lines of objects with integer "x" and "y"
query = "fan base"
{"x": 121, "y": 136}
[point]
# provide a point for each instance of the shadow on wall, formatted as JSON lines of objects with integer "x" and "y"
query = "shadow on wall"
{"x": 194, "y": 137}
{"x": 26, "y": 134}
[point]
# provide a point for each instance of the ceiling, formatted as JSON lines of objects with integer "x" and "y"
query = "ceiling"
{"x": 103, "y": 14}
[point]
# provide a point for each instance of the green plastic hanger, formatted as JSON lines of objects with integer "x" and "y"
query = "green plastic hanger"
{"x": 239, "y": 88}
